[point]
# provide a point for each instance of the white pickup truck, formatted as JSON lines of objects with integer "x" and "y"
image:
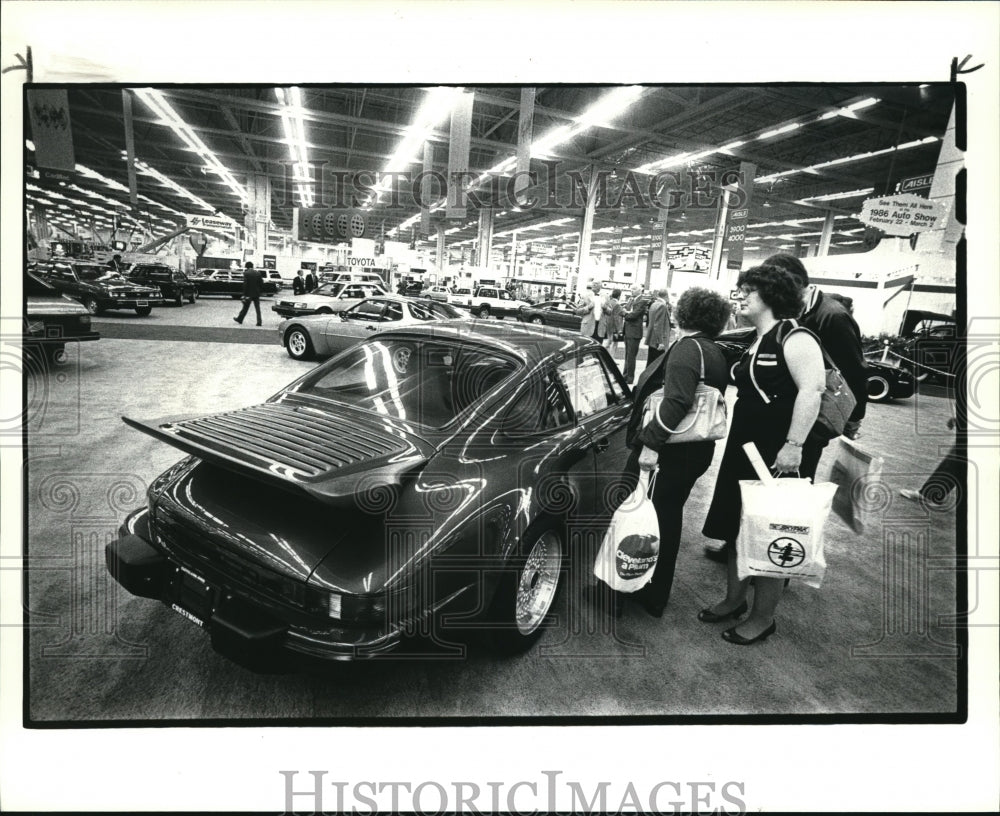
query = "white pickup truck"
{"x": 487, "y": 301}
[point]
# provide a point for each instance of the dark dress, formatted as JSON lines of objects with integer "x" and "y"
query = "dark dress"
{"x": 765, "y": 423}
{"x": 681, "y": 465}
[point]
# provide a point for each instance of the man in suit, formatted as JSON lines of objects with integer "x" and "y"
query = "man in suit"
{"x": 594, "y": 321}
{"x": 310, "y": 281}
{"x": 299, "y": 283}
{"x": 634, "y": 315}
{"x": 252, "y": 281}
{"x": 658, "y": 330}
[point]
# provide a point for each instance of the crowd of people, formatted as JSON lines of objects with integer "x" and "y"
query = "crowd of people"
{"x": 779, "y": 382}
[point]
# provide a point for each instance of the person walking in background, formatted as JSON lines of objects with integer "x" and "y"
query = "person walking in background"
{"x": 634, "y": 315}
{"x": 839, "y": 333}
{"x": 251, "y": 292}
{"x": 658, "y": 330}
{"x": 701, "y": 316}
{"x": 613, "y": 311}
{"x": 299, "y": 283}
{"x": 595, "y": 321}
{"x": 779, "y": 381}
{"x": 116, "y": 267}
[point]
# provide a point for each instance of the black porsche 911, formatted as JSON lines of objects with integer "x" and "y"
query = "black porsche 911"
{"x": 430, "y": 468}
{"x": 885, "y": 380}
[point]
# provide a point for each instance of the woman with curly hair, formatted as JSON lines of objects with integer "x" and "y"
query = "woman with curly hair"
{"x": 701, "y": 314}
{"x": 779, "y": 382}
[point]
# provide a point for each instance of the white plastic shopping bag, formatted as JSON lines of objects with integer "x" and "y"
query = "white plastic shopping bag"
{"x": 628, "y": 553}
{"x": 782, "y": 527}
{"x": 858, "y": 476}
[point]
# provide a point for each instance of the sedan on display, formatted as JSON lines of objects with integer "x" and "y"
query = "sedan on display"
{"x": 174, "y": 285}
{"x": 227, "y": 282}
{"x": 324, "y": 335}
{"x": 885, "y": 380}
{"x": 558, "y": 313}
{"x": 98, "y": 288}
{"x": 438, "y": 468}
{"x": 329, "y": 298}
{"x": 52, "y": 320}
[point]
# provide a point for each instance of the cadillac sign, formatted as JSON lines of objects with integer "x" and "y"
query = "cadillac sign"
{"x": 902, "y": 214}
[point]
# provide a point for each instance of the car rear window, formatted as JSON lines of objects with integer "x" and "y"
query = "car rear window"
{"x": 426, "y": 381}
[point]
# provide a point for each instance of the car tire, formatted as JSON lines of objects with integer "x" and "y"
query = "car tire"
{"x": 879, "y": 388}
{"x": 143, "y": 311}
{"x": 484, "y": 311}
{"x": 298, "y": 344}
{"x": 526, "y": 592}
{"x": 91, "y": 305}
{"x": 324, "y": 311}
{"x": 537, "y": 321}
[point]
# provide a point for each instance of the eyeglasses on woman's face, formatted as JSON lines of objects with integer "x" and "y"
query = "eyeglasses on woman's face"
{"x": 746, "y": 291}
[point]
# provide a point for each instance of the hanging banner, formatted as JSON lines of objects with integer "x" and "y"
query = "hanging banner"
{"x": 902, "y": 214}
{"x": 458, "y": 155}
{"x": 525, "y": 123}
{"x": 51, "y": 131}
{"x": 738, "y": 217}
{"x": 331, "y": 226}
{"x": 208, "y": 222}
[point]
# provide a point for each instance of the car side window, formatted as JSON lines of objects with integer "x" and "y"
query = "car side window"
{"x": 540, "y": 407}
{"x": 393, "y": 311}
{"x": 589, "y": 384}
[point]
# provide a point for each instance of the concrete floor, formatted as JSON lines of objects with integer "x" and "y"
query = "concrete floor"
{"x": 875, "y": 640}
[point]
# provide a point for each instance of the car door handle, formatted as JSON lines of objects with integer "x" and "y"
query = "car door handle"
{"x": 369, "y": 328}
{"x": 602, "y": 444}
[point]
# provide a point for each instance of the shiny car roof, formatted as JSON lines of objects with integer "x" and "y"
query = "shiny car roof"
{"x": 529, "y": 343}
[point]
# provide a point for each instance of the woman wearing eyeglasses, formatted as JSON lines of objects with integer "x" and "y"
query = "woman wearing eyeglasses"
{"x": 779, "y": 381}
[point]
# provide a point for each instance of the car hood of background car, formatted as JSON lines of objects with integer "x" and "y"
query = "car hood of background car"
{"x": 54, "y": 305}
{"x": 299, "y": 446}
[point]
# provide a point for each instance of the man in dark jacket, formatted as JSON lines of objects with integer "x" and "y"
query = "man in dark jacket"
{"x": 298, "y": 284}
{"x": 634, "y": 313}
{"x": 251, "y": 292}
{"x": 837, "y": 331}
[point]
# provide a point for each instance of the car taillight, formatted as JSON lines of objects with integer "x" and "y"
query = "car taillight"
{"x": 335, "y": 604}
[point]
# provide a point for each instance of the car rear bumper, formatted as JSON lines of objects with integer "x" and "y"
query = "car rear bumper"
{"x": 239, "y": 628}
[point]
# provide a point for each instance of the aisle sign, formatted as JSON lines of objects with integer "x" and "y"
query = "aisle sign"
{"x": 902, "y": 214}
{"x": 736, "y": 221}
{"x": 916, "y": 183}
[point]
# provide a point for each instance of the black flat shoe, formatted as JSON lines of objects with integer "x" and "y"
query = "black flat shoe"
{"x": 708, "y": 616}
{"x": 654, "y": 608}
{"x": 730, "y": 636}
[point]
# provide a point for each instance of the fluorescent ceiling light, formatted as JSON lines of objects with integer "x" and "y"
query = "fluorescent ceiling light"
{"x": 835, "y": 196}
{"x": 844, "y": 160}
{"x": 770, "y": 134}
{"x": 157, "y": 102}
{"x": 295, "y": 137}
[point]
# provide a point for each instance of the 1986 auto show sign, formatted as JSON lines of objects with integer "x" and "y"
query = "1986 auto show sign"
{"x": 902, "y": 214}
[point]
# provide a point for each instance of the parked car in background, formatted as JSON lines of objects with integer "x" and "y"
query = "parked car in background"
{"x": 461, "y": 296}
{"x": 227, "y": 282}
{"x": 886, "y": 380}
{"x": 174, "y": 285}
{"x": 274, "y": 276}
{"x": 435, "y": 425}
{"x": 437, "y": 293}
{"x": 52, "y": 320}
{"x": 328, "y": 298}
{"x": 97, "y": 287}
{"x": 558, "y": 313}
{"x": 492, "y": 301}
{"x": 323, "y": 335}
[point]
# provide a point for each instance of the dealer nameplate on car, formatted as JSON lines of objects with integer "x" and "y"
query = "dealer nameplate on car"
{"x": 181, "y": 611}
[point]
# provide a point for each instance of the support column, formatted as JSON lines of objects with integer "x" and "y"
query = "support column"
{"x": 583, "y": 248}
{"x": 261, "y": 210}
{"x": 484, "y": 237}
{"x": 826, "y": 235}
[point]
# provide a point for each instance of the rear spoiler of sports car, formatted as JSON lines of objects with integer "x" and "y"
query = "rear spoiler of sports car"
{"x": 330, "y": 458}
